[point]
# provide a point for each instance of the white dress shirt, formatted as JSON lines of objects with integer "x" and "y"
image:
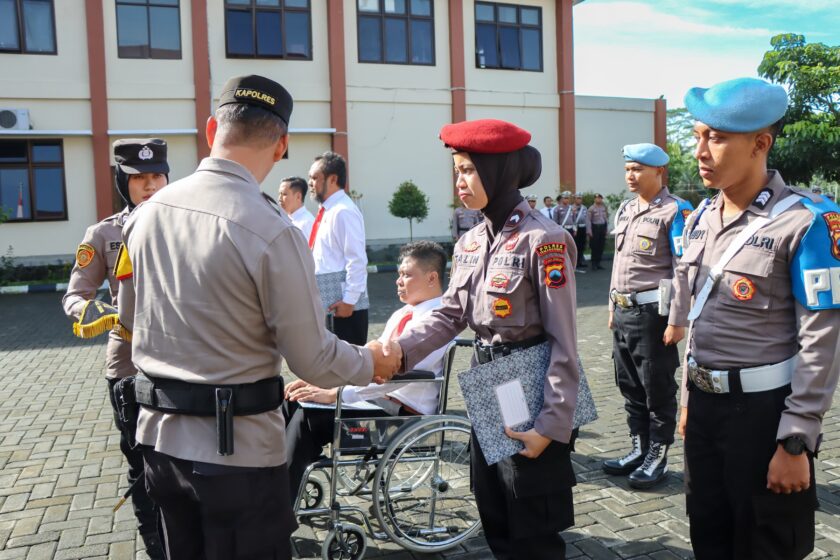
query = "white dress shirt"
{"x": 547, "y": 212}
{"x": 303, "y": 220}
{"x": 422, "y": 397}
{"x": 340, "y": 245}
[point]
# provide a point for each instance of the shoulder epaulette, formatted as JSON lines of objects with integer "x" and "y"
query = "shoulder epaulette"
{"x": 273, "y": 204}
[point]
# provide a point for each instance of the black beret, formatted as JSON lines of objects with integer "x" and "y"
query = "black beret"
{"x": 258, "y": 91}
{"x": 141, "y": 155}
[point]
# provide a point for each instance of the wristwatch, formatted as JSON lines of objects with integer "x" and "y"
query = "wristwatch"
{"x": 793, "y": 445}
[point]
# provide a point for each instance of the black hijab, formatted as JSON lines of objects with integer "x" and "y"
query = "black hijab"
{"x": 502, "y": 176}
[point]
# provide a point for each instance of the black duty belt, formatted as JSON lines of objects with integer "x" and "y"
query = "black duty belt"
{"x": 222, "y": 401}
{"x": 488, "y": 352}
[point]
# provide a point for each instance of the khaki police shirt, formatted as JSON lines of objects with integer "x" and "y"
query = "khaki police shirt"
{"x": 463, "y": 220}
{"x": 104, "y": 239}
{"x": 225, "y": 289}
{"x": 580, "y": 215}
{"x": 643, "y": 253}
{"x": 751, "y": 318}
{"x": 510, "y": 288}
{"x": 564, "y": 216}
{"x": 598, "y": 214}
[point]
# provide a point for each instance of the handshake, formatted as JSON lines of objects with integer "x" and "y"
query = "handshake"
{"x": 387, "y": 359}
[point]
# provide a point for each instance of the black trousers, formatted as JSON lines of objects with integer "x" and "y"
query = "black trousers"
{"x": 644, "y": 372}
{"x": 525, "y": 503}
{"x": 308, "y": 430}
{"x": 730, "y": 440}
{"x": 599, "y": 238}
{"x": 144, "y": 508}
{"x": 352, "y": 329}
{"x": 580, "y": 243}
{"x": 224, "y": 513}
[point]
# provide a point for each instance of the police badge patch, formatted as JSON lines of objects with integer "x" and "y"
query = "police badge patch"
{"x": 500, "y": 281}
{"x": 472, "y": 247}
{"x": 555, "y": 277}
{"x": 146, "y": 153}
{"x": 832, "y": 220}
{"x": 510, "y": 245}
{"x": 743, "y": 289}
{"x": 502, "y": 307}
{"x": 84, "y": 255}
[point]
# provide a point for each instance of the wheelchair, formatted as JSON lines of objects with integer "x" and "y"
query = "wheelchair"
{"x": 415, "y": 470}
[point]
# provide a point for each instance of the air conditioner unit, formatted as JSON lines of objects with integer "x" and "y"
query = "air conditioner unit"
{"x": 14, "y": 119}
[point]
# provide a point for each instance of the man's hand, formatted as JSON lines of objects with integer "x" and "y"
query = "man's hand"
{"x": 610, "y": 322}
{"x": 310, "y": 393}
{"x": 788, "y": 473}
{"x": 683, "y": 421}
{"x": 535, "y": 443}
{"x": 341, "y": 310}
{"x": 293, "y": 386}
{"x": 386, "y": 360}
{"x": 673, "y": 335}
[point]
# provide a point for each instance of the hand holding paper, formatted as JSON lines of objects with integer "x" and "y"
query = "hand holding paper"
{"x": 534, "y": 443}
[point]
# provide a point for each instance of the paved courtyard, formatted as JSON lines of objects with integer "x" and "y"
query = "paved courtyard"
{"x": 62, "y": 471}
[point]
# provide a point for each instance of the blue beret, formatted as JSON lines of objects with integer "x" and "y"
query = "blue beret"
{"x": 646, "y": 154}
{"x": 739, "y": 105}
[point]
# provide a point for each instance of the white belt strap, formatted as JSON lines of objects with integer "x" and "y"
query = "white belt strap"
{"x": 717, "y": 270}
{"x": 566, "y": 217}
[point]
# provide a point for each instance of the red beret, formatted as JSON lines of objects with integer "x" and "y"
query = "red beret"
{"x": 485, "y": 136}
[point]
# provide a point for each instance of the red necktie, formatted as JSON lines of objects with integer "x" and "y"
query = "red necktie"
{"x": 315, "y": 225}
{"x": 401, "y": 326}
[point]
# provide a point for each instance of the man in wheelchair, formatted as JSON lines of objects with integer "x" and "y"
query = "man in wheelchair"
{"x": 309, "y": 428}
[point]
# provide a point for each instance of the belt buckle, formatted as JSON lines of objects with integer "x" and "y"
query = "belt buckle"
{"x": 706, "y": 380}
{"x": 497, "y": 352}
{"x": 622, "y": 300}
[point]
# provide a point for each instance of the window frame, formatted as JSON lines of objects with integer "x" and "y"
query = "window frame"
{"x": 408, "y": 18}
{"x": 30, "y": 167}
{"x": 252, "y": 8}
{"x": 519, "y": 26}
{"x": 148, "y": 5}
{"x": 21, "y": 30}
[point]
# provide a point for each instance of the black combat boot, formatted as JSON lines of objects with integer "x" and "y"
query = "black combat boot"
{"x": 631, "y": 461}
{"x": 154, "y": 548}
{"x": 654, "y": 470}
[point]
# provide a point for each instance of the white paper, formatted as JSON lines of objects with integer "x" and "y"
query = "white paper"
{"x": 512, "y": 403}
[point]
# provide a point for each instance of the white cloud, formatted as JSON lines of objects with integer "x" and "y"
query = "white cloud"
{"x": 798, "y": 5}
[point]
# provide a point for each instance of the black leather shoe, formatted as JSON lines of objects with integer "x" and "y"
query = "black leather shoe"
{"x": 654, "y": 470}
{"x": 631, "y": 461}
{"x": 154, "y": 548}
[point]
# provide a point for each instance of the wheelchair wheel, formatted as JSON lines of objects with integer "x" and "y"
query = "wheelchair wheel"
{"x": 313, "y": 494}
{"x": 422, "y": 496}
{"x": 346, "y": 542}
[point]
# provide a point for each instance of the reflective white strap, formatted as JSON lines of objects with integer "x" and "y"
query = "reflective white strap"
{"x": 717, "y": 270}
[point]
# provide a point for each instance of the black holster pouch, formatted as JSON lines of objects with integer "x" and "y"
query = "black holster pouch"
{"x": 127, "y": 408}
{"x": 220, "y": 401}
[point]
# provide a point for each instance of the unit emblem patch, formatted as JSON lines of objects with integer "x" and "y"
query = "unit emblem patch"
{"x": 555, "y": 277}
{"x": 502, "y": 307}
{"x": 84, "y": 255}
{"x": 743, "y": 289}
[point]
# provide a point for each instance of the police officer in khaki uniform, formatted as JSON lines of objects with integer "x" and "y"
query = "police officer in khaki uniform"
{"x": 513, "y": 283}
{"x": 563, "y": 214}
{"x": 599, "y": 216}
{"x": 223, "y": 288}
{"x": 583, "y": 229}
{"x": 141, "y": 169}
{"x": 762, "y": 267}
{"x": 463, "y": 220}
{"x": 648, "y": 241}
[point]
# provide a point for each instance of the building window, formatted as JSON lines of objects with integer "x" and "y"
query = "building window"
{"x": 508, "y": 37}
{"x": 27, "y": 26}
{"x": 396, "y": 31}
{"x": 32, "y": 180}
{"x": 268, "y": 29}
{"x": 148, "y": 29}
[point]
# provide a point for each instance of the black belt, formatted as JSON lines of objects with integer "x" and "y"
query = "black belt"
{"x": 222, "y": 401}
{"x": 488, "y": 352}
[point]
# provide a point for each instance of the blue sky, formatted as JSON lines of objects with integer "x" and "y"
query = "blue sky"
{"x": 648, "y": 48}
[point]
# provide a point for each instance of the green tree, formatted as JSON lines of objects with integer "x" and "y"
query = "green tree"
{"x": 809, "y": 144}
{"x": 411, "y": 203}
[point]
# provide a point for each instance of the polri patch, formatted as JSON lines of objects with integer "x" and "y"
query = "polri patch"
{"x": 743, "y": 289}
{"x": 84, "y": 255}
{"x": 500, "y": 281}
{"x": 549, "y": 248}
{"x": 510, "y": 245}
{"x": 555, "y": 277}
{"x": 502, "y": 307}
{"x": 832, "y": 220}
{"x": 472, "y": 247}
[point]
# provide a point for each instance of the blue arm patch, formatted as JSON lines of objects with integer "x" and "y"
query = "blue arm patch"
{"x": 684, "y": 208}
{"x": 815, "y": 269}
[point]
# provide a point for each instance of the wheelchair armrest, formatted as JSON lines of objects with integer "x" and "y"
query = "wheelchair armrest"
{"x": 464, "y": 342}
{"x": 415, "y": 375}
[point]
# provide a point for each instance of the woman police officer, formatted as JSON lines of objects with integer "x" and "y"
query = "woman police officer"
{"x": 141, "y": 169}
{"x": 513, "y": 284}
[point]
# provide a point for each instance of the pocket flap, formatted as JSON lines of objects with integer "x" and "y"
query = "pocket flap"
{"x": 647, "y": 229}
{"x": 751, "y": 262}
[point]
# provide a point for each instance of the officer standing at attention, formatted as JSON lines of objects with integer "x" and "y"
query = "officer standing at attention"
{"x": 141, "y": 169}
{"x": 208, "y": 264}
{"x": 762, "y": 264}
{"x": 563, "y": 214}
{"x": 337, "y": 241}
{"x": 513, "y": 283}
{"x": 648, "y": 241}
{"x": 290, "y": 198}
{"x": 583, "y": 229}
{"x": 599, "y": 215}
